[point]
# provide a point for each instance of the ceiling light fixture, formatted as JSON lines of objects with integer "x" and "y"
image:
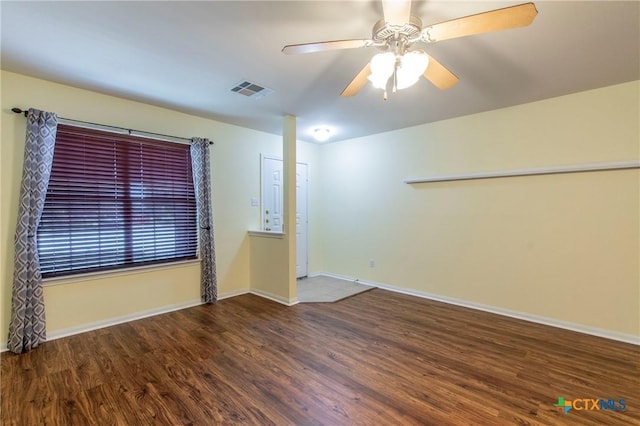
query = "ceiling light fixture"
{"x": 321, "y": 134}
{"x": 406, "y": 69}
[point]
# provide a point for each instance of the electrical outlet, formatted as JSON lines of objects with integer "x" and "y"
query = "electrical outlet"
{"x": 372, "y": 263}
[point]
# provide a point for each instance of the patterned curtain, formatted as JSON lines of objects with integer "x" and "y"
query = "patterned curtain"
{"x": 27, "y": 327}
{"x": 202, "y": 185}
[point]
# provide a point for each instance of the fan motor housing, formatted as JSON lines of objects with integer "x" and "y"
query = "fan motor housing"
{"x": 385, "y": 32}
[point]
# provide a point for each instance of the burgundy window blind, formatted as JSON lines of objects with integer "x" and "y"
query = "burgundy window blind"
{"x": 116, "y": 201}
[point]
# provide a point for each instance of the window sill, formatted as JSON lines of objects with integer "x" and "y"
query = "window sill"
{"x": 70, "y": 279}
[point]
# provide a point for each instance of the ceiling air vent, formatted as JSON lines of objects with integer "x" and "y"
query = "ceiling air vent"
{"x": 251, "y": 90}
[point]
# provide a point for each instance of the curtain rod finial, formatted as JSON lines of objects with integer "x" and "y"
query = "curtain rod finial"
{"x": 19, "y": 111}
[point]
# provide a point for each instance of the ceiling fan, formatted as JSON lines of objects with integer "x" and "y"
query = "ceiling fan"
{"x": 396, "y": 34}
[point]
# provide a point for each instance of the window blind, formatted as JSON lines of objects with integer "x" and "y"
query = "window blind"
{"x": 116, "y": 201}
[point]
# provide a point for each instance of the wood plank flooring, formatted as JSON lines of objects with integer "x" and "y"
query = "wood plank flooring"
{"x": 378, "y": 358}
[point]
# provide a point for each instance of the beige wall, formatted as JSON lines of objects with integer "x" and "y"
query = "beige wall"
{"x": 565, "y": 247}
{"x": 235, "y": 160}
{"x": 270, "y": 267}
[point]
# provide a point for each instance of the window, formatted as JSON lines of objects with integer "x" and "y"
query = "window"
{"x": 116, "y": 201}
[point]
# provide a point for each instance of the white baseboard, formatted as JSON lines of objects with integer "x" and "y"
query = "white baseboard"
{"x": 337, "y": 276}
{"x": 594, "y": 331}
{"x": 274, "y": 297}
{"x": 260, "y": 293}
{"x": 608, "y": 334}
{"x": 70, "y": 331}
{"x": 234, "y": 293}
{"x": 53, "y": 335}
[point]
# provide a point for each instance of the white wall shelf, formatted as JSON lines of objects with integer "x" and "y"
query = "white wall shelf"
{"x": 576, "y": 168}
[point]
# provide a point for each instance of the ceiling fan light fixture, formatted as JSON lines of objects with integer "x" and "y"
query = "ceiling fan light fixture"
{"x": 398, "y": 30}
{"x": 321, "y": 134}
{"x": 412, "y": 66}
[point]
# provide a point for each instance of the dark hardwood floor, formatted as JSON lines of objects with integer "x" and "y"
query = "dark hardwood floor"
{"x": 378, "y": 358}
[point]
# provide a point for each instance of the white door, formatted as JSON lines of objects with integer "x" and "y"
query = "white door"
{"x": 272, "y": 187}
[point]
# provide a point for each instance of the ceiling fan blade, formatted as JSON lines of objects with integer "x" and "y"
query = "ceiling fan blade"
{"x": 495, "y": 20}
{"x": 358, "y": 82}
{"x": 440, "y": 76}
{"x": 294, "y": 49}
{"x": 396, "y": 12}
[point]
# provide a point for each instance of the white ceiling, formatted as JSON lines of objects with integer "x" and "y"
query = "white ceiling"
{"x": 187, "y": 55}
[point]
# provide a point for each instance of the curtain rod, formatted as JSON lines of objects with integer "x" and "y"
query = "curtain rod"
{"x": 21, "y": 111}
